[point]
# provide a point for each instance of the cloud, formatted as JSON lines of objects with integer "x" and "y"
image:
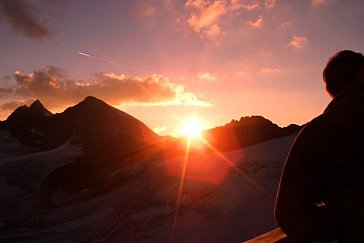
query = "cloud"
{"x": 143, "y": 11}
{"x": 206, "y": 76}
{"x": 285, "y": 25}
{"x": 270, "y": 70}
{"x": 213, "y": 30}
{"x": 196, "y": 3}
{"x": 270, "y": 3}
{"x": 319, "y": 2}
{"x": 51, "y": 87}
{"x": 21, "y": 16}
{"x": 258, "y": 23}
{"x": 239, "y": 4}
{"x": 298, "y": 42}
{"x": 206, "y": 14}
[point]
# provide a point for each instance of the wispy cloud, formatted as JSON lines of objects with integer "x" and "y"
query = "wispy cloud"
{"x": 207, "y": 76}
{"x": 206, "y": 14}
{"x": 241, "y": 4}
{"x": 258, "y": 23}
{"x": 21, "y": 16}
{"x": 285, "y": 25}
{"x": 319, "y": 2}
{"x": 143, "y": 11}
{"x": 213, "y": 30}
{"x": 270, "y": 3}
{"x": 298, "y": 42}
{"x": 196, "y": 3}
{"x": 50, "y": 86}
{"x": 269, "y": 70}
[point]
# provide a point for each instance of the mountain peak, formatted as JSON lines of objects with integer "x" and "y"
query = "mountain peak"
{"x": 38, "y": 108}
{"x": 93, "y": 105}
{"x": 36, "y": 103}
{"x": 92, "y": 100}
{"x": 25, "y": 113}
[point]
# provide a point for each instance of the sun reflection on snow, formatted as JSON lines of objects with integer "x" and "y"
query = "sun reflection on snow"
{"x": 210, "y": 167}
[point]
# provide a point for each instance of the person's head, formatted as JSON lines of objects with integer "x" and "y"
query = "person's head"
{"x": 344, "y": 70}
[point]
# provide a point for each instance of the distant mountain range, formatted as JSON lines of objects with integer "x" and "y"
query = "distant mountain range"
{"x": 111, "y": 139}
{"x": 96, "y": 123}
{"x": 104, "y": 129}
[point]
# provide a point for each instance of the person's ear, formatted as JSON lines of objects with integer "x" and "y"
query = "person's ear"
{"x": 327, "y": 92}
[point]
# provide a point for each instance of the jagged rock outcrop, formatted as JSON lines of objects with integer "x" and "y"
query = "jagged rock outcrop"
{"x": 246, "y": 132}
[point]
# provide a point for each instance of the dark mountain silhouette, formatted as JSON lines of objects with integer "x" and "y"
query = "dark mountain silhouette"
{"x": 107, "y": 135}
{"x": 23, "y": 121}
{"x": 98, "y": 125}
{"x": 102, "y": 128}
{"x": 246, "y": 132}
{"x": 37, "y": 108}
{"x": 234, "y": 135}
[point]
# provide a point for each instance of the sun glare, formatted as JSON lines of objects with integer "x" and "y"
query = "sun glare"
{"x": 191, "y": 128}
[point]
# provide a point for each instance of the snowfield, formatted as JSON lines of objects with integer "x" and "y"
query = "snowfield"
{"x": 217, "y": 204}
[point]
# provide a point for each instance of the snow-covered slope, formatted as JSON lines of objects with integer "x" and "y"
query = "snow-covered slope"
{"x": 226, "y": 197}
{"x": 21, "y": 177}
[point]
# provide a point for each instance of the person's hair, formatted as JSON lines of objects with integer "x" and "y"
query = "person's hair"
{"x": 342, "y": 71}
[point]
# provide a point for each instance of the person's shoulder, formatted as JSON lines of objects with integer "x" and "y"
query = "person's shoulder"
{"x": 315, "y": 126}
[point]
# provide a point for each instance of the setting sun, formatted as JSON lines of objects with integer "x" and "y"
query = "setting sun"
{"x": 191, "y": 128}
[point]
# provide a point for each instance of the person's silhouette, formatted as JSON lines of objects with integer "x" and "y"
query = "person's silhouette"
{"x": 321, "y": 192}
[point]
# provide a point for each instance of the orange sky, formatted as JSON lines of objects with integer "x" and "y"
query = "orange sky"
{"x": 165, "y": 60}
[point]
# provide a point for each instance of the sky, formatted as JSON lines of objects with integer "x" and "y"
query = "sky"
{"x": 163, "y": 61}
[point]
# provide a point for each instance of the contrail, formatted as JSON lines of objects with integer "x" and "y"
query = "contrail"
{"x": 113, "y": 62}
{"x": 84, "y": 54}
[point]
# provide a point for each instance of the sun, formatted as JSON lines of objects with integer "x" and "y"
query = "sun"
{"x": 191, "y": 128}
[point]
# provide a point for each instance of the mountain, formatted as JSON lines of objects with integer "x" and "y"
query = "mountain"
{"x": 96, "y": 123}
{"x": 247, "y": 131}
{"x": 109, "y": 139}
{"x": 23, "y": 120}
{"x": 102, "y": 128}
{"x": 36, "y": 109}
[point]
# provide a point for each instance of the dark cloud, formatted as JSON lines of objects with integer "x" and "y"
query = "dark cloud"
{"x": 51, "y": 87}
{"x": 20, "y": 14}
